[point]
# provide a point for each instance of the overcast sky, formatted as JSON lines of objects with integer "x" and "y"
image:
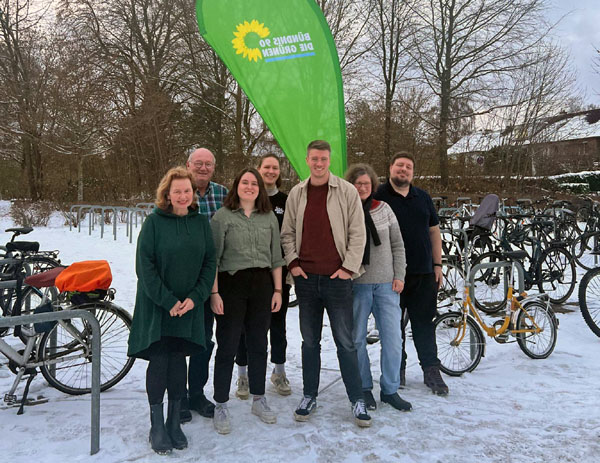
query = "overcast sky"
{"x": 579, "y": 32}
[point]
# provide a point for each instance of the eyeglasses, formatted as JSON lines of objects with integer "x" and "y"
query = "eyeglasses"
{"x": 199, "y": 164}
{"x": 362, "y": 184}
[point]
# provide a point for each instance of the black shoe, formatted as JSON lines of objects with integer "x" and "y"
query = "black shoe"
{"x": 202, "y": 405}
{"x": 173, "y": 425}
{"x": 433, "y": 380}
{"x": 359, "y": 411}
{"x": 185, "y": 415}
{"x": 395, "y": 401}
{"x": 159, "y": 438}
{"x": 306, "y": 407}
{"x": 370, "y": 400}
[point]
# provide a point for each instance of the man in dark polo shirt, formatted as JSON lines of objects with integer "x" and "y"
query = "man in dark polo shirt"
{"x": 420, "y": 229}
{"x": 323, "y": 237}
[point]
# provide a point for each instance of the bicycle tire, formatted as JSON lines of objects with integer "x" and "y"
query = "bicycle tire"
{"x": 589, "y": 299}
{"x": 586, "y": 250}
{"x": 456, "y": 360}
{"x": 490, "y": 286}
{"x": 545, "y": 341}
{"x": 556, "y": 274}
{"x": 75, "y": 376}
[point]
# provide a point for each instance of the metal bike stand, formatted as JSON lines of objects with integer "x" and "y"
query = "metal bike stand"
{"x": 65, "y": 315}
{"x": 501, "y": 264}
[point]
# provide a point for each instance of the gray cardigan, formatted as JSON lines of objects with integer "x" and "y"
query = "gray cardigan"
{"x": 388, "y": 260}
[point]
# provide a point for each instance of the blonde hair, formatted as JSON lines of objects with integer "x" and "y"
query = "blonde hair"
{"x": 179, "y": 172}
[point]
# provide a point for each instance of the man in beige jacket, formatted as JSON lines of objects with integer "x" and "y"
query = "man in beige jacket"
{"x": 323, "y": 237}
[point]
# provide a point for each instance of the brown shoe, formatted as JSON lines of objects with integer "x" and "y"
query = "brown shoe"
{"x": 433, "y": 380}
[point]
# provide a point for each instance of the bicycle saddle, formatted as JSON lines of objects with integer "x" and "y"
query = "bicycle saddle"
{"x": 19, "y": 231}
{"x": 515, "y": 255}
{"x": 23, "y": 246}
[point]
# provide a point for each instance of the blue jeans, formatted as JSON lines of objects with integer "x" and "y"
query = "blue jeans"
{"x": 316, "y": 293}
{"x": 384, "y": 304}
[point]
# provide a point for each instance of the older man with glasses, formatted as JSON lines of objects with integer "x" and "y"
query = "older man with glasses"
{"x": 201, "y": 164}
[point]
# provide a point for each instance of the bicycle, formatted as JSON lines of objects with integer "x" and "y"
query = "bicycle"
{"x": 589, "y": 299}
{"x": 62, "y": 350}
{"x": 528, "y": 319}
{"x": 551, "y": 268}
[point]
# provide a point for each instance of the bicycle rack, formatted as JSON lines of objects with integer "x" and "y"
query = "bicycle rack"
{"x": 506, "y": 263}
{"x": 64, "y": 315}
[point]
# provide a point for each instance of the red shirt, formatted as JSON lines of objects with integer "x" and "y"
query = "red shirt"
{"x": 318, "y": 254}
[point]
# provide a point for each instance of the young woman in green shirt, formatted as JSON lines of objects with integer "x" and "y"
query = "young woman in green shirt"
{"x": 246, "y": 290}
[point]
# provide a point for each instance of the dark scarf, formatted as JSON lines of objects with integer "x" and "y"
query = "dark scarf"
{"x": 371, "y": 230}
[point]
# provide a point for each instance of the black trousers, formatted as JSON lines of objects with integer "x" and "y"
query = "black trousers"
{"x": 166, "y": 372}
{"x": 276, "y": 334}
{"x": 419, "y": 300}
{"x": 247, "y": 307}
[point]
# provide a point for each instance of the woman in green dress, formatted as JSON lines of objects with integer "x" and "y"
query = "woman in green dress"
{"x": 175, "y": 266}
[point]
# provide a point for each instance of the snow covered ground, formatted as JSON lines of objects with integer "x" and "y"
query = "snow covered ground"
{"x": 510, "y": 409}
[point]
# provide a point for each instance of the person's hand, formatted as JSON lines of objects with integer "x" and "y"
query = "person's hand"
{"x": 439, "y": 277}
{"x": 175, "y": 309}
{"x": 298, "y": 272}
{"x": 276, "y": 302}
{"x": 341, "y": 274}
{"x": 216, "y": 304}
{"x": 397, "y": 286}
{"x": 185, "y": 306}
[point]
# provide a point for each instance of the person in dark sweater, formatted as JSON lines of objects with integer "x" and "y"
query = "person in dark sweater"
{"x": 268, "y": 168}
{"x": 420, "y": 229}
{"x": 175, "y": 266}
{"x": 323, "y": 237}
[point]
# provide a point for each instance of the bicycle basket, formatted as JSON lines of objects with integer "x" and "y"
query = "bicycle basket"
{"x": 85, "y": 276}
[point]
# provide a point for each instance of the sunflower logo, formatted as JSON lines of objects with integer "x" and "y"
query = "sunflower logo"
{"x": 242, "y": 47}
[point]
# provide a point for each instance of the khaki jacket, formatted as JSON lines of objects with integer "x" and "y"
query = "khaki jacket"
{"x": 346, "y": 218}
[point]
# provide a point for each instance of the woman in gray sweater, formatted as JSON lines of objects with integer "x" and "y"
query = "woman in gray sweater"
{"x": 377, "y": 291}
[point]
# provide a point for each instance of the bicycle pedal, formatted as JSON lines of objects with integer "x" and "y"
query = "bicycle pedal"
{"x": 10, "y": 399}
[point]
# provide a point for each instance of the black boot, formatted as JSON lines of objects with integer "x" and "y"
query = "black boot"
{"x": 159, "y": 439}
{"x": 174, "y": 425}
{"x": 433, "y": 380}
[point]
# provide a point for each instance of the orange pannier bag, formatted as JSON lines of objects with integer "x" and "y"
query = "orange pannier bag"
{"x": 88, "y": 275}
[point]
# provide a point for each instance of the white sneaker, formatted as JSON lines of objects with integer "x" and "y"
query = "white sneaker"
{"x": 221, "y": 420}
{"x": 281, "y": 383}
{"x": 261, "y": 409}
{"x": 243, "y": 388}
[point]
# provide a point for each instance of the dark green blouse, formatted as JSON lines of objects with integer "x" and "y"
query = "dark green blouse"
{"x": 175, "y": 260}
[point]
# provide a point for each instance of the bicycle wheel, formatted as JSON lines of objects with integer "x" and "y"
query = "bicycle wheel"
{"x": 537, "y": 345}
{"x": 458, "y": 359}
{"x": 586, "y": 250}
{"x": 589, "y": 299}
{"x": 490, "y": 285}
{"x": 67, "y": 350}
{"x": 556, "y": 274}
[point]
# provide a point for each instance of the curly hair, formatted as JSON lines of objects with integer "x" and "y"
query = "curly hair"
{"x": 161, "y": 200}
{"x": 357, "y": 170}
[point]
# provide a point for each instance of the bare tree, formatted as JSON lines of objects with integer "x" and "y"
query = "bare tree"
{"x": 25, "y": 73}
{"x": 390, "y": 27}
{"x": 466, "y": 49}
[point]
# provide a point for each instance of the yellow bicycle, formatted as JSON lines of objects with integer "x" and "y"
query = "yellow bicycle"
{"x": 528, "y": 320}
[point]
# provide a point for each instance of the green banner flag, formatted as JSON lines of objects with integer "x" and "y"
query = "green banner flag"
{"x": 282, "y": 54}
